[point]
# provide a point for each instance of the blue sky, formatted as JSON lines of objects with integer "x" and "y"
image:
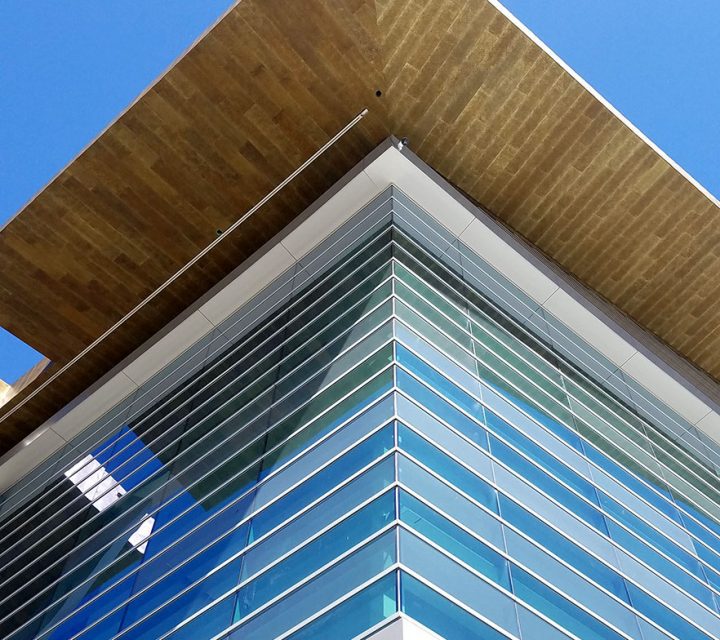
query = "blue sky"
{"x": 67, "y": 68}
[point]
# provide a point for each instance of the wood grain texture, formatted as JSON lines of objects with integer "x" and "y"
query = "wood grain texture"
{"x": 270, "y": 84}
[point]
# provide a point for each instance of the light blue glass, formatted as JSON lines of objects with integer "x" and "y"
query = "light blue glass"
{"x": 454, "y": 540}
{"x": 447, "y": 468}
{"x": 446, "y": 574}
{"x": 651, "y": 535}
{"x": 452, "y": 503}
{"x": 429, "y": 353}
{"x": 436, "y": 432}
{"x": 559, "y": 609}
{"x": 311, "y": 460}
{"x": 673, "y": 573}
{"x": 570, "y": 583}
{"x": 572, "y": 553}
{"x": 548, "y": 485}
{"x": 661, "y": 501}
{"x": 440, "y": 383}
{"x": 440, "y": 615}
{"x": 320, "y": 592}
{"x": 357, "y": 614}
{"x": 426, "y": 397}
{"x": 541, "y": 457}
{"x": 665, "y": 617}
{"x": 532, "y": 626}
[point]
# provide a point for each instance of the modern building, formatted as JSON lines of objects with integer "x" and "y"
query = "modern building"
{"x": 385, "y": 414}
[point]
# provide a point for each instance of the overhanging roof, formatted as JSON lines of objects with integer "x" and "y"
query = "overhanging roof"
{"x": 479, "y": 100}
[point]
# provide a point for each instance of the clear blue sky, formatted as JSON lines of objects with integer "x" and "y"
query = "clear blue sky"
{"x": 67, "y": 68}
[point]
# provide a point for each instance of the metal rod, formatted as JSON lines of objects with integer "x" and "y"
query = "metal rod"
{"x": 191, "y": 263}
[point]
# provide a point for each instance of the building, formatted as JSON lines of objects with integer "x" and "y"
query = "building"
{"x": 394, "y": 419}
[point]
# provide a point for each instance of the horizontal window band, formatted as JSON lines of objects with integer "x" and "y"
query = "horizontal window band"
{"x": 296, "y": 299}
{"x": 554, "y": 416}
{"x": 207, "y": 473}
{"x": 250, "y": 490}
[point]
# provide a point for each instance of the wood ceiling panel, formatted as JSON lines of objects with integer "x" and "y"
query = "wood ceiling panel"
{"x": 500, "y": 119}
{"x": 270, "y": 84}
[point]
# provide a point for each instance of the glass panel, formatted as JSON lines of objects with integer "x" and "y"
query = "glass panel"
{"x": 481, "y": 596}
{"x": 335, "y": 582}
{"x": 454, "y": 540}
{"x": 439, "y": 614}
{"x": 557, "y": 608}
{"x": 357, "y": 614}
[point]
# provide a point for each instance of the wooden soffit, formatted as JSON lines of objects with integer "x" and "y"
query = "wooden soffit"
{"x": 266, "y": 87}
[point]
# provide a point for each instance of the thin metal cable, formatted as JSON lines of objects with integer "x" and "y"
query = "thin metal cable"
{"x": 189, "y": 264}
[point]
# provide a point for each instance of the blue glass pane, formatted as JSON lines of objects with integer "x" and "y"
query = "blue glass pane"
{"x": 452, "y": 503}
{"x": 455, "y": 580}
{"x": 318, "y": 484}
{"x": 357, "y": 614}
{"x": 541, "y": 457}
{"x": 320, "y": 592}
{"x": 573, "y": 554}
{"x": 663, "y": 616}
{"x": 436, "y": 381}
{"x": 447, "y": 468}
{"x": 547, "y": 484}
{"x": 340, "y": 502}
{"x": 424, "y": 396}
{"x": 439, "y": 614}
{"x": 663, "y": 566}
{"x": 314, "y": 555}
{"x": 557, "y": 608}
{"x": 450, "y": 537}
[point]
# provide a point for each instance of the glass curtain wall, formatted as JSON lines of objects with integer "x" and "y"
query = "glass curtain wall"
{"x": 384, "y": 437}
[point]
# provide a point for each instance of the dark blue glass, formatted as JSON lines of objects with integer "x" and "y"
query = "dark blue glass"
{"x": 331, "y": 476}
{"x": 314, "y": 555}
{"x": 320, "y": 592}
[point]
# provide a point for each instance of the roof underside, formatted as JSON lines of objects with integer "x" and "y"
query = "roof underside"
{"x": 479, "y": 101}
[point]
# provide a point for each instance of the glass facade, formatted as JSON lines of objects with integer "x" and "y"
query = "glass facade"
{"x": 385, "y": 429}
